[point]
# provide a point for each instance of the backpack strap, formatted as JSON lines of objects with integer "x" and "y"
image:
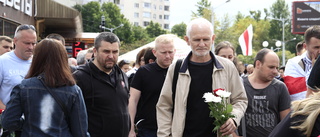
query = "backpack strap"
{"x": 175, "y": 79}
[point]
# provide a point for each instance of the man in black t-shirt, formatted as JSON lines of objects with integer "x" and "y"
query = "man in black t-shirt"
{"x": 146, "y": 87}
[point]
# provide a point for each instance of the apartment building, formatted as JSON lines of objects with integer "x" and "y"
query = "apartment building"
{"x": 142, "y": 12}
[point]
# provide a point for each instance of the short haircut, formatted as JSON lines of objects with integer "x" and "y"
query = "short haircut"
{"x": 50, "y": 58}
{"x": 81, "y": 57}
{"x": 200, "y": 22}
{"x": 313, "y": 31}
{"x": 148, "y": 55}
{"x": 57, "y": 37}
{"x": 6, "y": 38}
{"x": 283, "y": 68}
{"x": 123, "y": 62}
{"x": 299, "y": 47}
{"x": 164, "y": 39}
{"x": 260, "y": 56}
{"x": 105, "y": 36}
{"x": 29, "y": 28}
{"x": 221, "y": 45}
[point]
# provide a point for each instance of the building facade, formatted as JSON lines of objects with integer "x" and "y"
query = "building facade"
{"x": 142, "y": 12}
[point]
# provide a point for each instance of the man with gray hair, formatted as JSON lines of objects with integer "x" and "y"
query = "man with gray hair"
{"x": 105, "y": 89}
{"x": 184, "y": 113}
{"x": 81, "y": 57}
{"x": 15, "y": 64}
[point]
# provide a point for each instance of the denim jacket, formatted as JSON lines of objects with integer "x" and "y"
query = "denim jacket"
{"x": 34, "y": 111}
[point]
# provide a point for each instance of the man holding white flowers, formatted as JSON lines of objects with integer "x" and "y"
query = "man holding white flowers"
{"x": 200, "y": 72}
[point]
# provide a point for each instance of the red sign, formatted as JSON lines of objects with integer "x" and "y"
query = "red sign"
{"x": 77, "y": 47}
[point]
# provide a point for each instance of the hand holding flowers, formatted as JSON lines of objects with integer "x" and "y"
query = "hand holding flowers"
{"x": 219, "y": 107}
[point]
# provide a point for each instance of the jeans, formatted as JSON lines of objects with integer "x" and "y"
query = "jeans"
{"x": 143, "y": 132}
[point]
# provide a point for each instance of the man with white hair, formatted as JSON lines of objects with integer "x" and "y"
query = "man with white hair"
{"x": 200, "y": 72}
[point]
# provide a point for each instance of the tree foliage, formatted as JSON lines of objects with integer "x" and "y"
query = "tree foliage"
{"x": 203, "y": 7}
{"x": 115, "y": 18}
{"x": 179, "y": 29}
{"x": 154, "y": 30}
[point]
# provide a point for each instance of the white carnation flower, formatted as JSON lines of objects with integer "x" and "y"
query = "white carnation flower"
{"x": 223, "y": 93}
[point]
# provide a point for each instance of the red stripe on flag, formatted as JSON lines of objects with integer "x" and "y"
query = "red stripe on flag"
{"x": 295, "y": 84}
{"x": 246, "y": 40}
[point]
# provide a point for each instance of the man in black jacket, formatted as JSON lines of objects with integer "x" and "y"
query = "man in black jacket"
{"x": 105, "y": 89}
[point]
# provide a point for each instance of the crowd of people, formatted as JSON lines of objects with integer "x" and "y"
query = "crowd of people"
{"x": 45, "y": 93}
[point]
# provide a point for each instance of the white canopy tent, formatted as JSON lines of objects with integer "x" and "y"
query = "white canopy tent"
{"x": 182, "y": 50}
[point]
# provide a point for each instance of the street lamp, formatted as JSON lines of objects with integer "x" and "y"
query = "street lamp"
{"x": 283, "y": 42}
{"x": 212, "y": 20}
{"x": 266, "y": 44}
{"x": 105, "y": 28}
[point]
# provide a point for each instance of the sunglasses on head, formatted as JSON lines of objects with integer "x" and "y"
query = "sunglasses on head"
{"x": 24, "y": 27}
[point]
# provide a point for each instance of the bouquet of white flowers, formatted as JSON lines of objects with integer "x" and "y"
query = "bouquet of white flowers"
{"x": 219, "y": 107}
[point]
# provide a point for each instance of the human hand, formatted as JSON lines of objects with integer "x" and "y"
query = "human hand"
{"x": 228, "y": 127}
{"x": 132, "y": 133}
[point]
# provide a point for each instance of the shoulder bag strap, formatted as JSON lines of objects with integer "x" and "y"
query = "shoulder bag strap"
{"x": 61, "y": 104}
{"x": 174, "y": 81}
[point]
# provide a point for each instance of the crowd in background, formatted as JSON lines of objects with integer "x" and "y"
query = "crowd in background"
{"x": 45, "y": 93}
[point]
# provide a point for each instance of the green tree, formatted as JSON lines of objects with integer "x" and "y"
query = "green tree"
{"x": 139, "y": 33}
{"x": 278, "y": 11}
{"x": 91, "y": 16}
{"x": 179, "y": 29}
{"x": 114, "y": 19}
{"x": 154, "y": 30}
{"x": 203, "y": 6}
{"x": 256, "y": 15}
{"x": 223, "y": 30}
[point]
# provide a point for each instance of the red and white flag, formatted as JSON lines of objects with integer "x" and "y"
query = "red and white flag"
{"x": 245, "y": 41}
{"x": 295, "y": 78}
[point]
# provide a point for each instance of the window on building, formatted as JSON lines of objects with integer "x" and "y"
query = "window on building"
{"x": 160, "y": 7}
{"x": 136, "y": 15}
{"x": 147, "y": 5}
{"x": 147, "y": 14}
{"x": 136, "y": 23}
{"x": 166, "y": 17}
{"x": 7, "y": 28}
{"x": 166, "y": 26}
{"x": 166, "y": 8}
{"x": 116, "y": 1}
{"x": 154, "y": 16}
{"x": 136, "y": 5}
{"x": 160, "y": 17}
{"x": 154, "y": 6}
{"x": 146, "y": 23}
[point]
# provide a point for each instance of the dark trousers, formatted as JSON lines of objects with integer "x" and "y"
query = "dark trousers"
{"x": 143, "y": 132}
{"x": 7, "y": 133}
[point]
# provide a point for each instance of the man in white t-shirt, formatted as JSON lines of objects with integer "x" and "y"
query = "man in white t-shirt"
{"x": 14, "y": 65}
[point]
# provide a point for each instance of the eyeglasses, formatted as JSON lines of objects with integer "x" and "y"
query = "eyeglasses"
{"x": 24, "y": 27}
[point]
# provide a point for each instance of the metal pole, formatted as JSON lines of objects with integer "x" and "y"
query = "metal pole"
{"x": 212, "y": 20}
{"x": 283, "y": 45}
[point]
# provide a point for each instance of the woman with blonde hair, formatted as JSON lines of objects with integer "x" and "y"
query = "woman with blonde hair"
{"x": 304, "y": 120}
{"x": 47, "y": 102}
